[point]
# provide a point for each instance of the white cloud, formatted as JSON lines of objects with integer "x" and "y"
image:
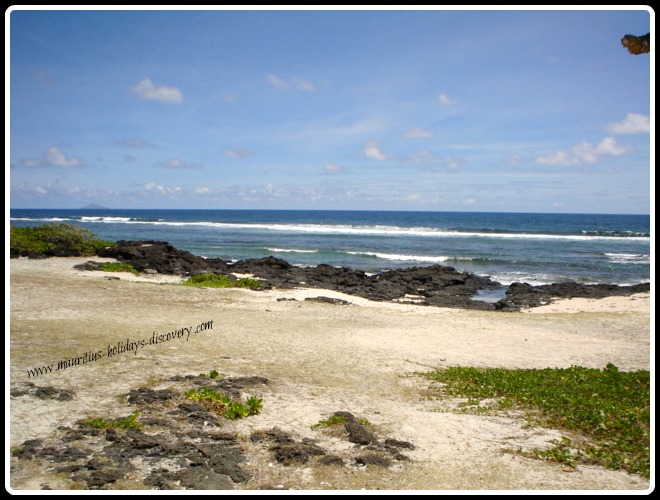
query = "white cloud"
{"x": 237, "y": 153}
{"x": 152, "y": 186}
{"x": 202, "y": 190}
{"x": 445, "y": 100}
{"x": 53, "y": 157}
{"x": 454, "y": 164}
{"x": 333, "y": 168}
{"x": 633, "y": 123}
{"x": 293, "y": 83}
{"x": 178, "y": 164}
{"x": 159, "y": 188}
{"x": 469, "y": 201}
{"x": 372, "y": 150}
{"x": 584, "y": 152}
{"x": 418, "y": 133}
{"x": 57, "y": 158}
{"x": 303, "y": 84}
{"x": 145, "y": 89}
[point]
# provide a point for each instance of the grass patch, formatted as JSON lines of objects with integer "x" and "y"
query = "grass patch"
{"x": 223, "y": 405}
{"x": 336, "y": 420}
{"x": 214, "y": 280}
{"x": 212, "y": 374}
{"x": 129, "y": 422}
{"x": 57, "y": 239}
{"x": 118, "y": 267}
{"x": 608, "y": 410}
{"x": 329, "y": 422}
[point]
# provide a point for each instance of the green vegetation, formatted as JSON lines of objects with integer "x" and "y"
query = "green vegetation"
{"x": 57, "y": 239}
{"x": 129, "y": 422}
{"x": 118, "y": 267}
{"x": 329, "y": 422}
{"x": 223, "y": 405}
{"x": 607, "y": 411}
{"x": 211, "y": 374}
{"x": 214, "y": 280}
{"x": 336, "y": 420}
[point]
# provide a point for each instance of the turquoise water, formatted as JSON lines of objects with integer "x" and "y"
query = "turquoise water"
{"x": 534, "y": 248}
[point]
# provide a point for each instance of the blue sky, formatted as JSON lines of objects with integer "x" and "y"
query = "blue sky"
{"x": 442, "y": 110}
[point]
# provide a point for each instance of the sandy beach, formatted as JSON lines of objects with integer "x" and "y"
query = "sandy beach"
{"x": 319, "y": 358}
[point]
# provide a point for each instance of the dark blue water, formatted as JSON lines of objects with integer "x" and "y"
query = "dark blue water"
{"x": 535, "y": 248}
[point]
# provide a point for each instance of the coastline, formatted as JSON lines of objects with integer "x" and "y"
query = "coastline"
{"x": 319, "y": 358}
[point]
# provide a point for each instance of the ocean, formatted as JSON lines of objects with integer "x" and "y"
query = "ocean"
{"x": 508, "y": 247}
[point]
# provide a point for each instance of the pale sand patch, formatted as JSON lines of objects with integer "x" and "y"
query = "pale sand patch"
{"x": 639, "y": 302}
{"x": 320, "y": 358}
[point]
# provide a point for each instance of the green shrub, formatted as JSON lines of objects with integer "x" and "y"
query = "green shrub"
{"x": 335, "y": 420}
{"x": 254, "y": 405}
{"x": 249, "y": 283}
{"x": 57, "y": 239}
{"x": 129, "y": 422}
{"x": 330, "y": 422}
{"x": 212, "y": 374}
{"x": 607, "y": 409}
{"x": 223, "y": 405}
{"x": 214, "y": 280}
{"x": 118, "y": 267}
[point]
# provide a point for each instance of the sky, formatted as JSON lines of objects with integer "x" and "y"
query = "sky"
{"x": 403, "y": 109}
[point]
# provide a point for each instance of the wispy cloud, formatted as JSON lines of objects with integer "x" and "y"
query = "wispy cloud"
{"x": 53, "y": 157}
{"x": 292, "y": 83}
{"x": 145, "y": 89}
{"x": 421, "y": 156}
{"x": 179, "y": 164}
{"x": 333, "y": 168}
{"x": 159, "y": 188}
{"x": 202, "y": 190}
{"x": 237, "y": 153}
{"x": 633, "y": 123}
{"x": 584, "y": 152}
{"x": 451, "y": 165}
{"x": 455, "y": 164}
{"x": 418, "y": 133}
{"x": 373, "y": 151}
{"x": 54, "y": 190}
{"x": 445, "y": 100}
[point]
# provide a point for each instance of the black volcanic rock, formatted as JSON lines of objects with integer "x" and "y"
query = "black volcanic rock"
{"x": 525, "y": 295}
{"x": 437, "y": 285}
{"x": 161, "y": 257}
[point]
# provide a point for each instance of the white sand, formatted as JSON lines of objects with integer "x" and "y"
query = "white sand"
{"x": 320, "y": 358}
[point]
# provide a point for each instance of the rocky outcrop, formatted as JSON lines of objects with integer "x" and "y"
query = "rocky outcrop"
{"x": 162, "y": 257}
{"x": 521, "y": 295}
{"x": 437, "y": 285}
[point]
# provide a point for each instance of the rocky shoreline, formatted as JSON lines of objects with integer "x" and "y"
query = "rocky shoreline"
{"x": 189, "y": 446}
{"x": 436, "y": 285}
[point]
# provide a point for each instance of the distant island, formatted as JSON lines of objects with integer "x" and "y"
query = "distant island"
{"x": 94, "y": 206}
